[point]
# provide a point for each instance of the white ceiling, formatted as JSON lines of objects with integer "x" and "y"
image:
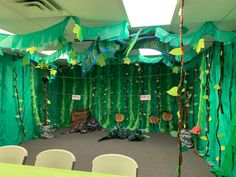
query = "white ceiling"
{"x": 20, "y": 19}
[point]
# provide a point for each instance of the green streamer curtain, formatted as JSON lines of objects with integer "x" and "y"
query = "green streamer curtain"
{"x": 217, "y": 141}
{"x": 113, "y": 89}
{"x": 10, "y": 132}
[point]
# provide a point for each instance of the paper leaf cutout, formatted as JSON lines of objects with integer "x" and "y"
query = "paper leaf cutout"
{"x": 31, "y": 50}
{"x": 175, "y": 70}
{"x": 184, "y": 149}
{"x": 204, "y": 138}
{"x": 209, "y": 119}
{"x": 174, "y": 134}
{"x": 178, "y": 114}
{"x": 200, "y": 45}
{"x": 21, "y": 100}
{"x": 217, "y": 158}
{"x": 17, "y": 116}
{"x": 195, "y": 104}
{"x": 53, "y": 72}
{"x": 183, "y": 90}
{"x": 220, "y": 134}
{"x": 73, "y": 62}
{"x": 20, "y": 109}
{"x": 173, "y": 91}
{"x": 176, "y": 51}
{"x": 127, "y": 61}
{"x": 49, "y": 102}
{"x": 101, "y": 60}
{"x": 25, "y": 61}
{"x": 177, "y": 170}
{"x": 77, "y": 31}
{"x": 205, "y": 97}
{"x": 222, "y": 148}
{"x": 72, "y": 54}
{"x": 217, "y": 86}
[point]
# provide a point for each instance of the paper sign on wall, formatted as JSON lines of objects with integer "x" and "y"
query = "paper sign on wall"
{"x": 76, "y": 97}
{"x": 145, "y": 97}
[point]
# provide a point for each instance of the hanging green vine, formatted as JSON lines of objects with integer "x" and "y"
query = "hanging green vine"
{"x": 149, "y": 91}
{"x": 130, "y": 96}
{"x": 220, "y": 107}
{"x": 33, "y": 98}
{"x": 108, "y": 106}
{"x": 207, "y": 88}
{"x": 63, "y": 101}
{"x": 19, "y": 108}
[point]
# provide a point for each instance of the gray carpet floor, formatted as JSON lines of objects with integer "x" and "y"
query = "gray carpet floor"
{"x": 156, "y": 156}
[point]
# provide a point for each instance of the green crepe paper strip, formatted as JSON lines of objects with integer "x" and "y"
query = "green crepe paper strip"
{"x": 40, "y": 38}
{"x": 37, "y": 38}
{"x": 207, "y": 28}
{"x": 113, "y": 32}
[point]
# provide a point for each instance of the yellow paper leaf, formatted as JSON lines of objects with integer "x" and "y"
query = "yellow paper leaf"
{"x": 222, "y": 148}
{"x": 72, "y": 54}
{"x": 53, "y": 72}
{"x": 176, "y": 51}
{"x": 173, "y": 91}
{"x": 21, "y": 100}
{"x": 127, "y": 61}
{"x": 20, "y": 109}
{"x": 101, "y": 61}
{"x": 200, "y": 45}
{"x": 178, "y": 114}
{"x": 218, "y": 158}
{"x": 209, "y": 119}
{"x": 220, "y": 134}
{"x": 31, "y": 50}
{"x": 183, "y": 90}
{"x": 77, "y": 31}
{"x": 207, "y": 71}
{"x": 217, "y": 86}
{"x": 204, "y": 138}
{"x": 73, "y": 62}
{"x": 205, "y": 97}
{"x": 49, "y": 102}
{"x": 25, "y": 61}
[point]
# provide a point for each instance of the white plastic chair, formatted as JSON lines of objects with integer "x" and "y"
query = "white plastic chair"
{"x": 116, "y": 164}
{"x": 13, "y": 154}
{"x": 55, "y": 158}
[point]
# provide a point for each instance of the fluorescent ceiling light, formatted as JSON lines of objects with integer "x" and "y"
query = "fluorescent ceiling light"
{"x": 149, "y": 52}
{"x": 48, "y": 52}
{"x": 149, "y": 12}
{"x": 2, "y": 31}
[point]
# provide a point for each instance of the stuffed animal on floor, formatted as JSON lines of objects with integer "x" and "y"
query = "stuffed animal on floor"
{"x": 90, "y": 126}
{"x": 123, "y": 133}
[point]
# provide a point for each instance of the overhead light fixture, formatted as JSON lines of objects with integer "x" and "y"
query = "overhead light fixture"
{"x": 2, "y": 31}
{"x": 149, "y": 52}
{"x": 48, "y": 52}
{"x": 149, "y": 12}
